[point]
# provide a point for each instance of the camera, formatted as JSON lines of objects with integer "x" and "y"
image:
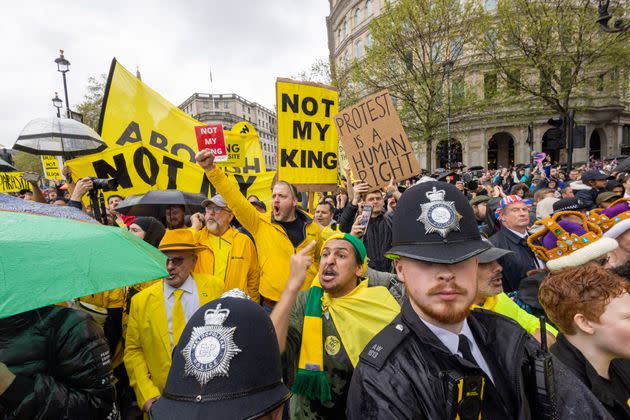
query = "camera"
{"x": 104, "y": 184}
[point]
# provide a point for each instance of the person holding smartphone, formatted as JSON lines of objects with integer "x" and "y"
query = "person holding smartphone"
{"x": 375, "y": 231}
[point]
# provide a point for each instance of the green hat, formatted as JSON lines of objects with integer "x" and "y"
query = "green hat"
{"x": 479, "y": 199}
{"x": 356, "y": 243}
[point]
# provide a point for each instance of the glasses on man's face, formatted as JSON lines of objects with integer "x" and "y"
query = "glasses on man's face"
{"x": 214, "y": 209}
{"x": 176, "y": 261}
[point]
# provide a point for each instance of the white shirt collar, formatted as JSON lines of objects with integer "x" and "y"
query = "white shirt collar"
{"x": 187, "y": 287}
{"x": 449, "y": 338}
{"x": 519, "y": 234}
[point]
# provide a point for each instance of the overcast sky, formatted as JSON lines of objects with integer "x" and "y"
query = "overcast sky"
{"x": 175, "y": 43}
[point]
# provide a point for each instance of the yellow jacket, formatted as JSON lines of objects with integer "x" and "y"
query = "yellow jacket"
{"x": 242, "y": 270}
{"x": 148, "y": 344}
{"x": 502, "y": 304}
{"x": 272, "y": 243}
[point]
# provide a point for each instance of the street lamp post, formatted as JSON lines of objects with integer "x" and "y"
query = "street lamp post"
{"x": 448, "y": 67}
{"x": 63, "y": 66}
{"x": 620, "y": 25}
{"x": 57, "y": 103}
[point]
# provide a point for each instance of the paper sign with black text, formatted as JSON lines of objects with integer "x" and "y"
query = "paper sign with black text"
{"x": 375, "y": 143}
{"x": 307, "y": 142}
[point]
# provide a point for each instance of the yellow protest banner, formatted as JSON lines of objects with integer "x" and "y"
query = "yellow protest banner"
{"x": 51, "y": 167}
{"x": 307, "y": 139}
{"x": 139, "y": 169}
{"x": 13, "y": 182}
{"x": 134, "y": 113}
{"x": 152, "y": 145}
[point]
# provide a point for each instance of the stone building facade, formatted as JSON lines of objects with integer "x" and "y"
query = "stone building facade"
{"x": 499, "y": 137}
{"x": 229, "y": 109}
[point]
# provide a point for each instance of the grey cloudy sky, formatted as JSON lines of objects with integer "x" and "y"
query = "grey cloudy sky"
{"x": 175, "y": 43}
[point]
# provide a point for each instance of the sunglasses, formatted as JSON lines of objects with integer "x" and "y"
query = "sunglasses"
{"x": 176, "y": 261}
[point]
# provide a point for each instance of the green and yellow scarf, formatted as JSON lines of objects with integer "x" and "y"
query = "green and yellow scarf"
{"x": 358, "y": 317}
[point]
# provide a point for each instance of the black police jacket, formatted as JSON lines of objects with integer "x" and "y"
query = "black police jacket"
{"x": 399, "y": 374}
{"x": 62, "y": 366}
{"x": 516, "y": 265}
{"x": 614, "y": 394}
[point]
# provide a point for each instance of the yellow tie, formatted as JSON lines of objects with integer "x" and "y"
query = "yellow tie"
{"x": 179, "y": 318}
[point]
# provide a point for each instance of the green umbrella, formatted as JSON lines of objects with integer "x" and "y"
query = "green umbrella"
{"x": 45, "y": 260}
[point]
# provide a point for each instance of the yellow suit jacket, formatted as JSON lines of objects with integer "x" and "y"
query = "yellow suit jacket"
{"x": 148, "y": 345}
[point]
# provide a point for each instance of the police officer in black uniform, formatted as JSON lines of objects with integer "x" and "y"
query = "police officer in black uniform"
{"x": 439, "y": 360}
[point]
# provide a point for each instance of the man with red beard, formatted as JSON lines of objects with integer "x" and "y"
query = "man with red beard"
{"x": 437, "y": 359}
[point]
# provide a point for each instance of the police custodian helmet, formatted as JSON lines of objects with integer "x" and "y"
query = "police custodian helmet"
{"x": 434, "y": 222}
{"x": 225, "y": 366}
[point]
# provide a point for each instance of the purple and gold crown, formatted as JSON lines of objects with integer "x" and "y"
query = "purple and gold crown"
{"x": 562, "y": 243}
{"x": 618, "y": 211}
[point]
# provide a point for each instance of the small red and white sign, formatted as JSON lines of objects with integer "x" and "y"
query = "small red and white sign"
{"x": 211, "y": 137}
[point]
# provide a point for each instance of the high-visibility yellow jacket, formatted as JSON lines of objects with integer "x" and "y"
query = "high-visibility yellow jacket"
{"x": 502, "y": 304}
{"x": 242, "y": 269}
{"x": 272, "y": 243}
{"x": 148, "y": 344}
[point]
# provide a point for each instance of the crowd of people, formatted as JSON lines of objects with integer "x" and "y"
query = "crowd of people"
{"x": 474, "y": 292}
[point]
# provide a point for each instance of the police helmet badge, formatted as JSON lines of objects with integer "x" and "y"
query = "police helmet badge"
{"x": 438, "y": 215}
{"x": 211, "y": 347}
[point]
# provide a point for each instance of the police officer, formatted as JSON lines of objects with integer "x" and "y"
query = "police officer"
{"x": 225, "y": 366}
{"x": 437, "y": 359}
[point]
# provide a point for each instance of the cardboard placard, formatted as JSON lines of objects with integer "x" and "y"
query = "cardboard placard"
{"x": 375, "y": 143}
{"x": 211, "y": 137}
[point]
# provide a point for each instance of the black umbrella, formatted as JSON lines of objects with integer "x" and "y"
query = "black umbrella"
{"x": 475, "y": 168}
{"x": 155, "y": 202}
{"x": 623, "y": 166}
{"x": 6, "y": 166}
{"x": 59, "y": 137}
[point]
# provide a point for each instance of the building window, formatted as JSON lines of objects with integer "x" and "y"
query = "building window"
{"x": 625, "y": 140}
{"x": 545, "y": 82}
{"x": 368, "y": 8}
{"x": 358, "y": 48}
{"x": 368, "y": 40}
{"x": 457, "y": 47}
{"x": 489, "y": 85}
{"x": 436, "y": 51}
{"x": 513, "y": 82}
{"x": 457, "y": 90}
{"x": 357, "y": 17}
{"x": 345, "y": 28}
{"x": 226, "y": 105}
{"x": 491, "y": 5}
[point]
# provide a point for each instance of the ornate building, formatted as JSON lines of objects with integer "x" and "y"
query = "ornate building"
{"x": 229, "y": 109}
{"x": 498, "y": 137}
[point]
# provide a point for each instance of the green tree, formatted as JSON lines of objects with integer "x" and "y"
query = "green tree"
{"x": 92, "y": 102}
{"x": 417, "y": 53}
{"x": 319, "y": 72}
{"x": 25, "y": 162}
{"x": 554, "y": 51}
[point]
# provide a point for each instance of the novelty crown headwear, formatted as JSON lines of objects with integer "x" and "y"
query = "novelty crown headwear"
{"x": 568, "y": 244}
